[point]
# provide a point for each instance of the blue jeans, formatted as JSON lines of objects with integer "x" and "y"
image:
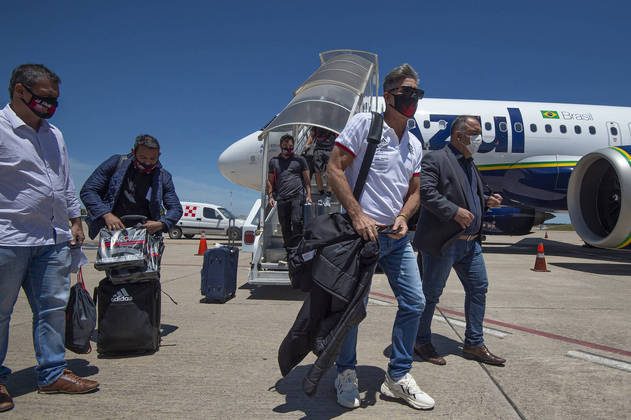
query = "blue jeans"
{"x": 398, "y": 262}
{"x": 44, "y": 274}
{"x": 466, "y": 258}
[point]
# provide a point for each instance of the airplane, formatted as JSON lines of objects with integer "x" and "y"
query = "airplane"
{"x": 541, "y": 157}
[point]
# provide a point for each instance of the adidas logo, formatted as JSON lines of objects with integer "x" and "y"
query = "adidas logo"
{"x": 121, "y": 296}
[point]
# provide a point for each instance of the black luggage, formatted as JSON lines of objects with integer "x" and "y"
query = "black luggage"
{"x": 219, "y": 273}
{"x": 128, "y": 317}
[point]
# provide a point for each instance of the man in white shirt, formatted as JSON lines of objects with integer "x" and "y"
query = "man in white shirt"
{"x": 37, "y": 199}
{"x": 390, "y": 195}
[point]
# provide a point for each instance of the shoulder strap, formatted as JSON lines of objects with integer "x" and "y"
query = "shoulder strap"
{"x": 120, "y": 162}
{"x": 373, "y": 139}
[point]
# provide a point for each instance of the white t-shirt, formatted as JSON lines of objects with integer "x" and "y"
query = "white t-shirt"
{"x": 392, "y": 168}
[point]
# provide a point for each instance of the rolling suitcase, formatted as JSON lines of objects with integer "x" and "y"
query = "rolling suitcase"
{"x": 219, "y": 273}
{"x": 128, "y": 317}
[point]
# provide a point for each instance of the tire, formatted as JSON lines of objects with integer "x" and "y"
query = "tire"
{"x": 175, "y": 233}
{"x": 234, "y": 234}
{"x": 189, "y": 235}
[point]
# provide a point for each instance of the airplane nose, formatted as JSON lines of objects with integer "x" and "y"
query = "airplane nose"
{"x": 239, "y": 159}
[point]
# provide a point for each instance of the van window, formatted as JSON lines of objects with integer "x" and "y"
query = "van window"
{"x": 226, "y": 213}
{"x": 209, "y": 213}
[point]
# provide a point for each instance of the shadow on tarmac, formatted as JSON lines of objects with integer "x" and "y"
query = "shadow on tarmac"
{"x": 607, "y": 269}
{"x": 444, "y": 346}
{"x": 24, "y": 381}
{"x": 528, "y": 246}
{"x": 273, "y": 292}
{"x": 324, "y": 405}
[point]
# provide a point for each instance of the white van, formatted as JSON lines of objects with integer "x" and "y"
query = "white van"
{"x": 210, "y": 218}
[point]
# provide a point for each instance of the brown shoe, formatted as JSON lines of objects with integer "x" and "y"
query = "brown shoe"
{"x": 482, "y": 354}
{"x": 6, "y": 402}
{"x": 69, "y": 383}
{"x": 428, "y": 352}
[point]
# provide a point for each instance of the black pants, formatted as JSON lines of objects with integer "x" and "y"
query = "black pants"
{"x": 290, "y": 213}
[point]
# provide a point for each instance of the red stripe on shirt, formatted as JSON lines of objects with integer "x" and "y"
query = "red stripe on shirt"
{"x": 346, "y": 149}
{"x": 416, "y": 174}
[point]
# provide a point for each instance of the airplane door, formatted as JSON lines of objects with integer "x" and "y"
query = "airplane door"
{"x": 613, "y": 130}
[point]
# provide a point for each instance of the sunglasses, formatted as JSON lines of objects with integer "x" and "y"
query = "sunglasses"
{"x": 410, "y": 91}
{"x": 52, "y": 102}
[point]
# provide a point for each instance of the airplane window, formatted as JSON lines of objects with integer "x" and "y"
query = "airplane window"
{"x": 577, "y": 129}
{"x": 592, "y": 129}
{"x": 442, "y": 124}
{"x": 548, "y": 128}
{"x": 503, "y": 127}
{"x": 487, "y": 126}
{"x": 426, "y": 123}
{"x": 533, "y": 128}
{"x": 613, "y": 130}
{"x": 519, "y": 127}
{"x": 563, "y": 128}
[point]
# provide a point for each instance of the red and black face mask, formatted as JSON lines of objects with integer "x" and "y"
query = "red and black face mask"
{"x": 287, "y": 150}
{"x": 41, "y": 106}
{"x": 405, "y": 104}
{"x": 142, "y": 168}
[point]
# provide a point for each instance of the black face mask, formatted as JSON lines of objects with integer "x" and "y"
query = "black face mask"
{"x": 405, "y": 104}
{"x": 41, "y": 106}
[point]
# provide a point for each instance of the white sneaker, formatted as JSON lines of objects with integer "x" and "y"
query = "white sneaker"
{"x": 346, "y": 388}
{"x": 406, "y": 389}
{"x": 327, "y": 201}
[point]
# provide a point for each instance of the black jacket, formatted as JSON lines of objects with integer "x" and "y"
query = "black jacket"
{"x": 443, "y": 186}
{"x": 339, "y": 273}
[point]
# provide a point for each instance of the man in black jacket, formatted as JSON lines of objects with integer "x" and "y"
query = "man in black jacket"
{"x": 448, "y": 235}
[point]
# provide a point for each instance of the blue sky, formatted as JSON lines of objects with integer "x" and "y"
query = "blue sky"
{"x": 199, "y": 75}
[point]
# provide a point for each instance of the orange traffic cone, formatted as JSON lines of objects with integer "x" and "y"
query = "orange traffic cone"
{"x": 203, "y": 246}
{"x": 540, "y": 262}
{"x": 546, "y": 235}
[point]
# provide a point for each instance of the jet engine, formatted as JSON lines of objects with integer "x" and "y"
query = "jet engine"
{"x": 599, "y": 197}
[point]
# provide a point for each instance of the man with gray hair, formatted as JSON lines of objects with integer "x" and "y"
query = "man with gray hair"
{"x": 131, "y": 184}
{"x": 449, "y": 232}
{"x": 39, "y": 222}
{"x": 390, "y": 195}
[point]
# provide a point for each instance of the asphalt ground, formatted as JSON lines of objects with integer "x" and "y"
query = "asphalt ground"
{"x": 565, "y": 334}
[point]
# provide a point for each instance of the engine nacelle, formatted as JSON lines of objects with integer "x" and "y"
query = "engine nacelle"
{"x": 512, "y": 220}
{"x": 599, "y": 197}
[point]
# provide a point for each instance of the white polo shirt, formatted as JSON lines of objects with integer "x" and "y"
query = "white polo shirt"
{"x": 394, "y": 165}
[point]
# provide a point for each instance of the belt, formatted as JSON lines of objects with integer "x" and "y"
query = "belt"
{"x": 469, "y": 237}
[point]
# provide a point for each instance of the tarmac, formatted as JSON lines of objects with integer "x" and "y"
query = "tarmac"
{"x": 565, "y": 335}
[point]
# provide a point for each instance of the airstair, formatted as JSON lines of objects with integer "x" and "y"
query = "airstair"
{"x": 345, "y": 83}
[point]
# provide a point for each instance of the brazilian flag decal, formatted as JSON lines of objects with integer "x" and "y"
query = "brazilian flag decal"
{"x": 550, "y": 114}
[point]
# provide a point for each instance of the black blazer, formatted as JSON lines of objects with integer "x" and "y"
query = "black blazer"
{"x": 443, "y": 186}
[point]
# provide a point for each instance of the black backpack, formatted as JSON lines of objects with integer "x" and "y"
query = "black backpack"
{"x": 80, "y": 318}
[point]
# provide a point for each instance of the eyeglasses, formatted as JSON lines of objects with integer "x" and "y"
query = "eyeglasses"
{"x": 410, "y": 91}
